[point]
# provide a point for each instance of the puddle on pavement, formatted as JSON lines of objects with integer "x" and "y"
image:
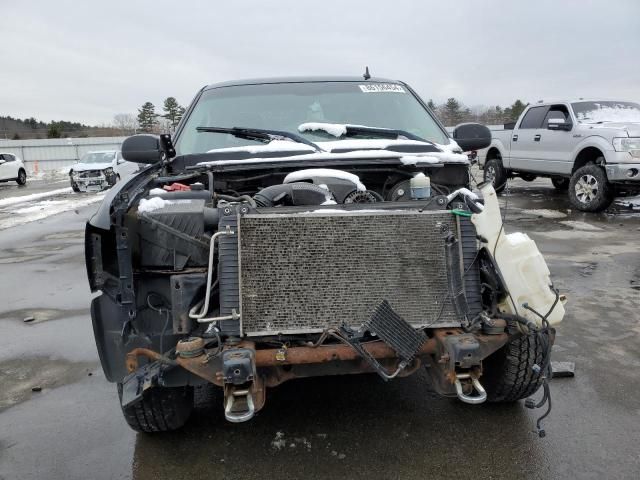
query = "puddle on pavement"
{"x": 19, "y": 376}
{"x": 41, "y": 314}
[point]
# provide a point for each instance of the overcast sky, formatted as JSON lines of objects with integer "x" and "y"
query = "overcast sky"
{"x": 86, "y": 61}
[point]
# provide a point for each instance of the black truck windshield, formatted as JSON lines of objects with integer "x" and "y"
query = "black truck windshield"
{"x": 285, "y": 106}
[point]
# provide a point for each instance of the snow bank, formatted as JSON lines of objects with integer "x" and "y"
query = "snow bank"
{"x": 151, "y": 204}
{"x": 34, "y": 196}
{"x": 335, "y": 129}
{"x": 324, "y": 173}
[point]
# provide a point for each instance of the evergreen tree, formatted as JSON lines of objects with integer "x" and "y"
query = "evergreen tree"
{"x": 173, "y": 111}
{"x": 147, "y": 117}
{"x": 431, "y": 105}
{"x": 452, "y": 112}
{"x": 55, "y": 130}
{"x": 515, "y": 110}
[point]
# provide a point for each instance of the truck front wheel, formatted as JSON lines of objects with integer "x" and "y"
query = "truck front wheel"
{"x": 589, "y": 189}
{"x": 160, "y": 410}
{"x": 508, "y": 374}
{"x": 494, "y": 172}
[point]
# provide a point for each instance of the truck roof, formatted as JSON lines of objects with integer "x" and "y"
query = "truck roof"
{"x": 554, "y": 101}
{"x": 301, "y": 79}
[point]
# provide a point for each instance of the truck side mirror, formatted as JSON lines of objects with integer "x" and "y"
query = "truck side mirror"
{"x": 559, "y": 124}
{"x": 472, "y": 136}
{"x": 145, "y": 148}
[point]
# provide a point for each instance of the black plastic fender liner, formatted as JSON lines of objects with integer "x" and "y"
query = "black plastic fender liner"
{"x": 297, "y": 193}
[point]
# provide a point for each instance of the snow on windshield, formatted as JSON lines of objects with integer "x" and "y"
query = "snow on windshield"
{"x": 595, "y": 112}
{"x": 336, "y": 129}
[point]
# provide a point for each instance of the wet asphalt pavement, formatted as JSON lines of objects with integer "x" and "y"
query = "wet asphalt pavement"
{"x": 341, "y": 427}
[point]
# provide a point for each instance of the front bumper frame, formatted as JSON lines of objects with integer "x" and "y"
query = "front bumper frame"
{"x": 620, "y": 172}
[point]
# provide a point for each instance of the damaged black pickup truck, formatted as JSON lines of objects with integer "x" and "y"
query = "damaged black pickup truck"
{"x": 304, "y": 227}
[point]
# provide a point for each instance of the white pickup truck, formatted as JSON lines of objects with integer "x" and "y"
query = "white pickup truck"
{"x": 590, "y": 148}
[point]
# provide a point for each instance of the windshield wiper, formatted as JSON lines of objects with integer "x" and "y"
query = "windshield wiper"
{"x": 354, "y": 130}
{"x": 260, "y": 135}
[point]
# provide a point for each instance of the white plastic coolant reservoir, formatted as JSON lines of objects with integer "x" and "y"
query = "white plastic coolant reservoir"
{"x": 521, "y": 264}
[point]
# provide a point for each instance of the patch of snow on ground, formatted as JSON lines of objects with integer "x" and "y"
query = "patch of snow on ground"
{"x": 46, "y": 208}
{"x": 577, "y": 225}
{"x": 545, "y": 213}
{"x": 157, "y": 191}
{"x": 45, "y": 204}
{"x": 151, "y": 204}
{"x": 308, "y": 173}
{"x": 335, "y": 129}
{"x": 34, "y": 196}
{"x": 278, "y": 442}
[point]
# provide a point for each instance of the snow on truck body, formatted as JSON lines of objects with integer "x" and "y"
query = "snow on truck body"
{"x": 304, "y": 227}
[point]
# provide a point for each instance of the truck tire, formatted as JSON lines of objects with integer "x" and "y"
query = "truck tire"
{"x": 160, "y": 410}
{"x": 560, "y": 183}
{"x": 508, "y": 374}
{"x": 589, "y": 189}
{"x": 494, "y": 173}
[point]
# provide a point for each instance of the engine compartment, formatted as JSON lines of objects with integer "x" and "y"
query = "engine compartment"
{"x": 167, "y": 223}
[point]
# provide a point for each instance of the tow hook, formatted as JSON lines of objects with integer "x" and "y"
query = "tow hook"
{"x": 233, "y": 411}
{"x": 239, "y": 372}
{"x": 473, "y": 400}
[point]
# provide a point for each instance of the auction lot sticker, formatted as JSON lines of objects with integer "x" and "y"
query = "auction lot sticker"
{"x": 381, "y": 88}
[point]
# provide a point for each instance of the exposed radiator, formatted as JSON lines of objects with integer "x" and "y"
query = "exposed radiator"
{"x": 302, "y": 273}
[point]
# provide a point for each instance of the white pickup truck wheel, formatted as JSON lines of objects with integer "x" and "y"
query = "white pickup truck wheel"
{"x": 589, "y": 189}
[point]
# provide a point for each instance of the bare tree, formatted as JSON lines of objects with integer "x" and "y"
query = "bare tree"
{"x": 127, "y": 122}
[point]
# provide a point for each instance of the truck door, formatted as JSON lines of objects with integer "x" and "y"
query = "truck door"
{"x": 525, "y": 139}
{"x": 556, "y": 144}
